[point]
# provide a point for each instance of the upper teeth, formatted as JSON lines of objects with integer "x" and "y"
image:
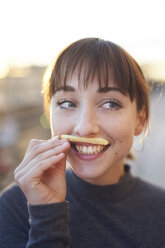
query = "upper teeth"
{"x": 89, "y": 149}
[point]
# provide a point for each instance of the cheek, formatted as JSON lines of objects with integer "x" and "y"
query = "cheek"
{"x": 121, "y": 128}
{"x": 60, "y": 126}
{"x": 123, "y": 137}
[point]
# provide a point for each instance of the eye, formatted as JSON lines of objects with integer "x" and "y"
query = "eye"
{"x": 66, "y": 104}
{"x": 111, "y": 104}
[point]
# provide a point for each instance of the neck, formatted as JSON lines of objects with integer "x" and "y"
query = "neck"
{"x": 112, "y": 176}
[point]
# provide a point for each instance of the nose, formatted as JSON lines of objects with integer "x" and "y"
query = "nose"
{"x": 87, "y": 124}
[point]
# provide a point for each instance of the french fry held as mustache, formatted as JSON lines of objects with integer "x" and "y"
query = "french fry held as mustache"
{"x": 72, "y": 138}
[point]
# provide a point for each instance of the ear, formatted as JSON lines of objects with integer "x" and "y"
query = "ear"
{"x": 141, "y": 122}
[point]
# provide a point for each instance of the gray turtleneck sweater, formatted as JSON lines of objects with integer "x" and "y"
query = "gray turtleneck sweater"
{"x": 130, "y": 214}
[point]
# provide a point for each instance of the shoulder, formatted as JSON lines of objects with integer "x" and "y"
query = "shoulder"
{"x": 14, "y": 217}
{"x": 149, "y": 193}
{"x": 12, "y": 199}
{"x": 12, "y": 191}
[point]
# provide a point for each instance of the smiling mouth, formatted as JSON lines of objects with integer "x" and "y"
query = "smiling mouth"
{"x": 88, "y": 149}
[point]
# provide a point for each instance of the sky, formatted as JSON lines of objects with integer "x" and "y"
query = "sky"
{"x": 34, "y": 31}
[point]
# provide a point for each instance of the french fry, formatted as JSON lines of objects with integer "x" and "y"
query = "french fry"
{"x": 72, "y": 138}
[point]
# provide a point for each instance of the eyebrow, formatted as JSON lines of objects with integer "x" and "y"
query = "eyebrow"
{"x": 108, "y": 89}
{"x": 68, "y": 88}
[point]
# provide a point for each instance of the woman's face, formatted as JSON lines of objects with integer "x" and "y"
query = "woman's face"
{"x": 92, "y": 112}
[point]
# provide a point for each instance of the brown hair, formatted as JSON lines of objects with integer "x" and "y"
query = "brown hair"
{"x": 94, "y": 57}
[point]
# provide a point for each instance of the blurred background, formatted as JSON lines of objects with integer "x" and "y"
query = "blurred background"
{"x": 31, "y": 35}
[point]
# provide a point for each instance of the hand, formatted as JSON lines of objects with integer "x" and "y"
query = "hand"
{"x": 41, "y": 174}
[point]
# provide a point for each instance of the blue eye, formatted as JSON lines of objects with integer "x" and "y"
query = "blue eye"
{"x": 111, "y": 104}
{"x": 66, "y": 104}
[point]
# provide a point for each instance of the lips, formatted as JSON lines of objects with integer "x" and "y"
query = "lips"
{"x": 88, "y": 151}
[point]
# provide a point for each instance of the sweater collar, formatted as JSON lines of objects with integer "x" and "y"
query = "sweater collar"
{"x": 109, "y": 193}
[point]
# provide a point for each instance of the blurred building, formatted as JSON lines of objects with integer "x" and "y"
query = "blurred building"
{"x": 20, "y": 113}
{"x": 22, "y": 119}
{"x": 21, "y": 89}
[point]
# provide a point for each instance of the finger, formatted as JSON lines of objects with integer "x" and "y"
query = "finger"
{"x": 46, "y": 145}
{"x": 54, "y": 147}
{"x": 38, "y": 147}
{"x": 38, "y": 170}
{"x": 34, "y": 142}
{"x": 23, "y": 169}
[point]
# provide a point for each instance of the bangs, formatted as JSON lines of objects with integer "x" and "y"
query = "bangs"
{"x": 96, "y": 59}
{"x": 92, "y": 59}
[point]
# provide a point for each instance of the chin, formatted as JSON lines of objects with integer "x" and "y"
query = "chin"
{"x": 90, "y": 171}
{"x": 98, "y": 168}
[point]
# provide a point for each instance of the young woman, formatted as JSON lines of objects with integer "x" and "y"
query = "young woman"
{"x": 95, "y": 90}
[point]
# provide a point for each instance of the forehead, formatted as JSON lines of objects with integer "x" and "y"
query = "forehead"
{"x": 79, "y": 80}
{"x": 87, "y": 74}
{"x": 74, "y": 84}
{"x": 94, "y": 61}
